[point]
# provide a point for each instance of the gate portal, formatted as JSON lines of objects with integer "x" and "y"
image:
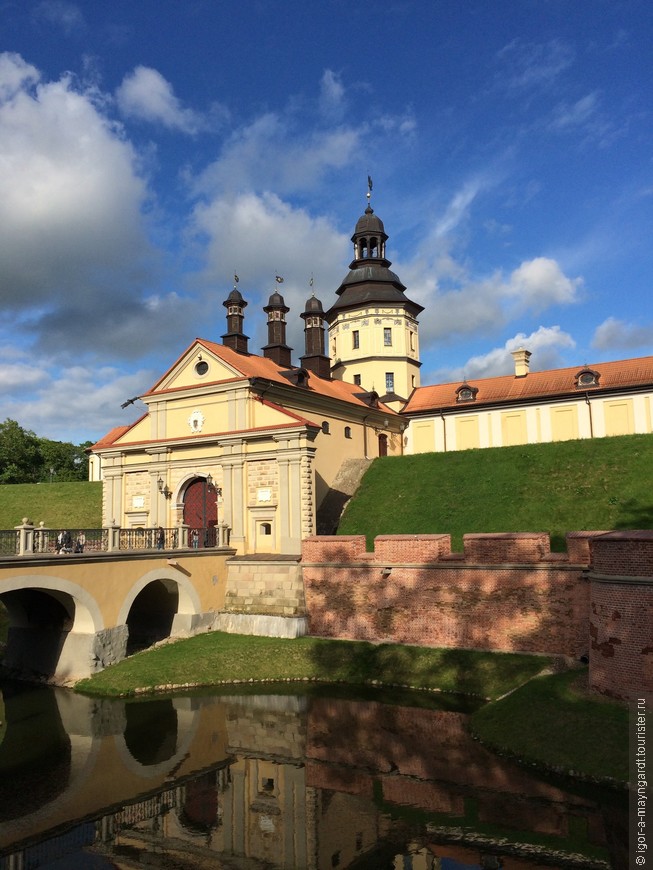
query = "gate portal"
{"x": 201, "y": 513}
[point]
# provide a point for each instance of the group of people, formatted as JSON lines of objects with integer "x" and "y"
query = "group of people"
{"x": 65, "y": 542}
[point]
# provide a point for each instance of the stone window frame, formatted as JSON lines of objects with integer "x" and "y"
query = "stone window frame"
{"x": 586, "y": 377}
{"x": 466, "y": 393}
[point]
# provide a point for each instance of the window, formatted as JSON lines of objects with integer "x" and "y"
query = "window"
{"x": 266, "y": 529}
{"x": 412, "y": 340}
{"x": 202, "y": 367}
{"x": 325, "y": 427}
{"x": 389, "y": 382}
{"x": 347, "y": 431}
{"x": 357, "y": 380}
{"x": 387, "y": 336}
{"x": 587, "y": 378}
{"x": 465, "y": 393}
{"x": 355, "y": 338}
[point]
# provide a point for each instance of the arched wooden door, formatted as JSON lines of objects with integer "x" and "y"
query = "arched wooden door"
{"x": 201, "y": 513}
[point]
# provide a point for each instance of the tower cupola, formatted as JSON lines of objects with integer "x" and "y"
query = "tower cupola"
{"x": 276, "y": 349}
{"x": 315, "y": 358}
{"x": 234, "y": 336}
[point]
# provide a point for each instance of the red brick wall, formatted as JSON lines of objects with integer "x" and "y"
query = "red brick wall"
{"x": 621, "y": 615}
{"x": 505, "y": 592}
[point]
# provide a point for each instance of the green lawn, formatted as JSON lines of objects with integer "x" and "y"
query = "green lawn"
{"x": 210, "y": 659}
{"x": 556, "y": 488}
{"x": 554, "y": 722}
{"x": 60, "y": 505}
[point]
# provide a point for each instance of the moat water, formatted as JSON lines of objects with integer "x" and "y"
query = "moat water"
{"x": 280, "y": 779}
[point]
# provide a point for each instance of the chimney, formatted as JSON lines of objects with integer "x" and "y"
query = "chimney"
{"x": 522, "y": 362}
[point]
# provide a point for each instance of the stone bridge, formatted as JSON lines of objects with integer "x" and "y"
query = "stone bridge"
{"x": 70, "y": 616}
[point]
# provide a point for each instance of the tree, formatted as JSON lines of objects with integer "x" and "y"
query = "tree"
{"x": 63, "y": 461}
{"x": 21, "y": 460}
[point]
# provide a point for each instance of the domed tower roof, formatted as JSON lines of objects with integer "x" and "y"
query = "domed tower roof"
{"x": 370, "y": 280}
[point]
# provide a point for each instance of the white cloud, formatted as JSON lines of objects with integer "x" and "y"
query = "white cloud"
{"x": 614, "y": 333}
{"x": 74, "y": 252}
{"x": 75, "y": 393}
{"x": 260, "y": 236}
{"x": 540, "y": 282}
{"x": 545, "y": 345}
{"x": 332, "y": 95}
{"x": 15, "y": 74}
{"x": 146, "y": 95}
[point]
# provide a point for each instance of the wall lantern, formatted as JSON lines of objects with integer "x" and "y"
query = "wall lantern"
{"x": 164, "y": 489}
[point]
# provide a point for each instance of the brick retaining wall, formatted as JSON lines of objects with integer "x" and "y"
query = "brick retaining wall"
{"x": 504, "y": 592}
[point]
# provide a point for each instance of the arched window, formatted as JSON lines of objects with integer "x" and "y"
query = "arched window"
{"x": 325, "y": 427}
{"x": 347, "y": 431}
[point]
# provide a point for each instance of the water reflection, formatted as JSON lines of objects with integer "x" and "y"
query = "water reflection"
{"x": 278, "y": 781}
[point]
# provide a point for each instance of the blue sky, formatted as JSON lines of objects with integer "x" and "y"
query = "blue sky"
{"x": 150, "y": 149}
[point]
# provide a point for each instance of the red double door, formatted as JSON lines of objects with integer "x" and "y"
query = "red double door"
{"x": 201, "y": 513}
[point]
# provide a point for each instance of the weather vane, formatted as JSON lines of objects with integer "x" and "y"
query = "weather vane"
{"x": 369, "y": 189}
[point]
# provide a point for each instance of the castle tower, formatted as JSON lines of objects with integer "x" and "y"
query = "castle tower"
{"x": 373, "y": 327}
{"x": 315, "y": 359}
{"x": 234, "y": 337}
{"x": 276, "y": 349}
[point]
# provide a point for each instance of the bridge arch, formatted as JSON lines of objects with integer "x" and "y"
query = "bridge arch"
{"x": 162, "y": 603}
{"x": 53, "y": 624}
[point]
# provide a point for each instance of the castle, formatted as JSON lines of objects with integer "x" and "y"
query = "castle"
{"x": 256, "y": 445}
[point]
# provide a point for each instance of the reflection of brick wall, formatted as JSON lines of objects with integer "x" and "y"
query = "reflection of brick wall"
{"x": 505, "y": 592}
{"x": 621, "y": 617}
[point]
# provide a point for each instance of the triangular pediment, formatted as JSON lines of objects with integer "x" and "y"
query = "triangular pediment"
{"x": 197, "y": 366}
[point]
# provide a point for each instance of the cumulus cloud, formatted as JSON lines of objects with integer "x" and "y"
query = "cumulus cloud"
{"x": 259, "y": 236}
{"x": 616, "y": 334}
{"x": 73, "y": 393}
{"x": 146, "y": 95}
{"x": 545, "y": 344}
{"x": 540, "y": 282}
{"x": 74, "y": 248}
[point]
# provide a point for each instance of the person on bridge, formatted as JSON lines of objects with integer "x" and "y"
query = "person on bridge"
{"x": 160, "y": 538}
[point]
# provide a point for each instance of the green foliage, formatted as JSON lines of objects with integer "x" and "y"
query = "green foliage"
{"x": 20, "y": 454}
{"x": 555, "y": 488}
{"x": 26, "y": 458}
{"x": 209, "y": 659}
{"x": 554, "y": 722}
{"x": 58, "y": 505}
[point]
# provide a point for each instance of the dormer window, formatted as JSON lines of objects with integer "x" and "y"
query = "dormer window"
{"x": 587, "y": 378}
{"x": 465, "y": 393}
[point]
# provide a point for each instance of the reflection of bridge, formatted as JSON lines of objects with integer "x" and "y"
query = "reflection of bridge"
{"x": 288, "y": 781}
{"x": 71, "y": 615}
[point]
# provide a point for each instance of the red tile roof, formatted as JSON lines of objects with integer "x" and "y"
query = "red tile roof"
{"x": 620, "y": 375}
{"x": 254, "y": 366}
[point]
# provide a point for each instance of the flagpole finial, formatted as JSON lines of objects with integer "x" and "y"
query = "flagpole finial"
{"x": 369, "y": 189}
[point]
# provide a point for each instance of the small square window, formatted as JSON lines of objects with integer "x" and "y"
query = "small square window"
{"x": 357, "y": 380}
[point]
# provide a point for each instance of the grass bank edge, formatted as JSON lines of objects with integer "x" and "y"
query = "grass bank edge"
{"x": 551, "y": 723}
{"x": 216, "y": 658}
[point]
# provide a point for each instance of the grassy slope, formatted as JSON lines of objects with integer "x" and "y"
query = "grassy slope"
{"x": 568, "y": 486}
{"x": 215, "y": 657}
{"x": 551, "y": 721}
{"x": 59, "y": 505}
